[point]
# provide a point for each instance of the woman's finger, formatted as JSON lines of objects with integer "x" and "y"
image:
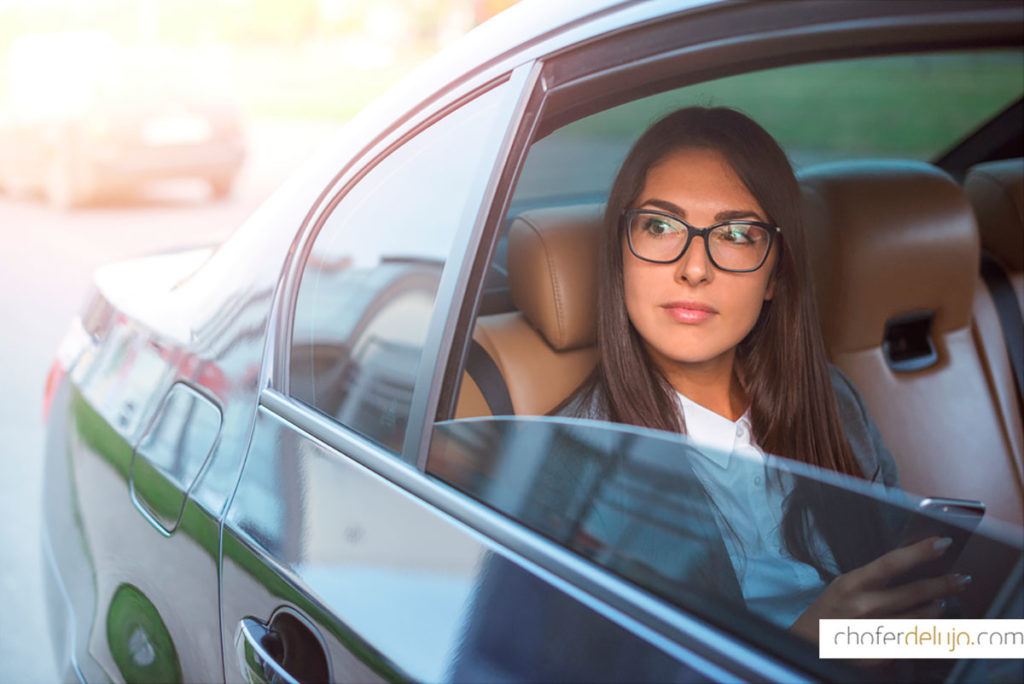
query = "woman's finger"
{"x": 907, "y": 596}
{"x": 880, "y": 571}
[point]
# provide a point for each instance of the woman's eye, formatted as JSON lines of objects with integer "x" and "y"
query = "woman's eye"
{"x": 657, "y": 228}
{"x": 738, "y": 235}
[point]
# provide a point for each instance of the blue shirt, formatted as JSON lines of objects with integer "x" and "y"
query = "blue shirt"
{"x": 748, "y": 497}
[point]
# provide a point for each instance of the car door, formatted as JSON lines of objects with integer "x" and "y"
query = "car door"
{"x": 330, "y": 570}
{"x": 142, "y": 431}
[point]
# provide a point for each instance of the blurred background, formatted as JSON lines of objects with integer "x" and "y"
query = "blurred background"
{"x": 132, "y": 126}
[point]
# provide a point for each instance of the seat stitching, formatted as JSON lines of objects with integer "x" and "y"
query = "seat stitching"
{"x": 556, "y": 290}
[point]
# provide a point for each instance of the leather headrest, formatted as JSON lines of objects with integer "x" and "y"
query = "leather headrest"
{"x": 996, "y": 190}
{"x": 901, "y": 238}
{"x": 552, "y": 272}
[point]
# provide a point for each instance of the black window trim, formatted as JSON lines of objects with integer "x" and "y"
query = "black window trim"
{"x": 701, "y": 44}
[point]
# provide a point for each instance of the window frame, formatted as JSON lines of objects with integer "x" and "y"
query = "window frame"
{"x": 571, "y": 82}
{"x": 344, "y": 438}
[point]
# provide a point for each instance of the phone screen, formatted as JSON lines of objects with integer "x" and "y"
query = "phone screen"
{"x": 953, "y": 518}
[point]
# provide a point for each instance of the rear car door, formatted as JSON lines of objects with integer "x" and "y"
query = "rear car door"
{"x": 330, "y": 570}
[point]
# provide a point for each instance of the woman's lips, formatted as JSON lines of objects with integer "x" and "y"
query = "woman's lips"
{"x": 689, "y": 312}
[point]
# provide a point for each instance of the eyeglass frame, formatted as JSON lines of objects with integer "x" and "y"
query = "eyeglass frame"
{"x": 627, "y": 216}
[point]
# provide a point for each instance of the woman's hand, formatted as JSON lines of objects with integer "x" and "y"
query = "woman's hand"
{"x": 865, "y": 592}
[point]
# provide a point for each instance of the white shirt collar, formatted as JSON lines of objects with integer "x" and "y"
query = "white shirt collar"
{"x": 707, "y": 428}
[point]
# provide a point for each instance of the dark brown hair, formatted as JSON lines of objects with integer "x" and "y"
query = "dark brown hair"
{"x": 781, "y": 362}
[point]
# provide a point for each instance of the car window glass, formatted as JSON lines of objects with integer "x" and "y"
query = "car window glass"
{"x": 636, "y": 502}
{"x": 367, "y": 292}
{"x": 903, "y": 106}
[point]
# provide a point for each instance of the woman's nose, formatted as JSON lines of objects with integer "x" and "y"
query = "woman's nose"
{"x": 694, "y": 266}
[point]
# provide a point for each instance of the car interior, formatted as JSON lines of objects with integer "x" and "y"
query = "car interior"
{"x": 898, "y": 245}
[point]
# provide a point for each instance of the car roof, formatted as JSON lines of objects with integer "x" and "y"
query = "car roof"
{"x": 525, "y": 31}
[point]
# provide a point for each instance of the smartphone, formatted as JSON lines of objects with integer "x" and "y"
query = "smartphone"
{"x": 936, "y": 517}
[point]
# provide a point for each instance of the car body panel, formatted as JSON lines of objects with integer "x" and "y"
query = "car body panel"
{"x": 312, "y": 529}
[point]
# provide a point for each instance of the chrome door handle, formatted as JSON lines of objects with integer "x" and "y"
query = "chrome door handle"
{"x": 259, "y": 653}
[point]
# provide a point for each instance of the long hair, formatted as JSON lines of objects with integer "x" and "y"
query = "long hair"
{"x": 781, "y": 362}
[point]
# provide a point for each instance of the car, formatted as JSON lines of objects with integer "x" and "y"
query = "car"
{"x": 328, "y": 448}
{"x": 89, "y": 118}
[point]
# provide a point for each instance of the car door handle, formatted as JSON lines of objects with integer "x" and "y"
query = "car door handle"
{"x": 259, "y": 654}
{"x": 285, "y": 651}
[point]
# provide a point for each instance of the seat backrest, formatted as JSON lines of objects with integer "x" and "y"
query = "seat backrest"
{"x": 896, "y": 253}
{"x": 996, "y": 190}
{"x": 545, "y": 349}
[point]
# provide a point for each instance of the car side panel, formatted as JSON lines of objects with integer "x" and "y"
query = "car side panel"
{"x": 398, "y": 590}
{"x": 152, "y": 593}
{"x": 134, "y": 599}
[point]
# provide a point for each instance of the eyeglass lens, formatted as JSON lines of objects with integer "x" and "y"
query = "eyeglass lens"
{"x": 735, "y": 245}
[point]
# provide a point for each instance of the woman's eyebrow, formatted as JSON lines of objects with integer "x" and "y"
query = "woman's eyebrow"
{"x": 725, "y": 215}
{"x": 665, "y": 205}
{"x": 734, "y": 214}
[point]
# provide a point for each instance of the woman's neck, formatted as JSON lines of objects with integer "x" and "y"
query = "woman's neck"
{"x": 713, "y": 384}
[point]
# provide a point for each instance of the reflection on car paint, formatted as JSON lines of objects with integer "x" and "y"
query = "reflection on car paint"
{"x": 171, "y": 455}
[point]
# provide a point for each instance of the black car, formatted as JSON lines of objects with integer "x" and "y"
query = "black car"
{"x": 324, "y": 450}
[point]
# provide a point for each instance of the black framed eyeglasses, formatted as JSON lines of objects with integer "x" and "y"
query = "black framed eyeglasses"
{"x": 735, "y": 246}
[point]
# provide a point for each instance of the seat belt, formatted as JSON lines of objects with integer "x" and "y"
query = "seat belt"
{"x": 488, "y": 378}
{"x": 1008, "y": 309}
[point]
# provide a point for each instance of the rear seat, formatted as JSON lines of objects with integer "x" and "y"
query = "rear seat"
{"x": 900, "y": 239}
{"x": 546, "y": 348}
{"x": 996, "y": 190}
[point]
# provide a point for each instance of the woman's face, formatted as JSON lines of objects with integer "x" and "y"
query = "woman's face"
{"x": 689, "y": 313}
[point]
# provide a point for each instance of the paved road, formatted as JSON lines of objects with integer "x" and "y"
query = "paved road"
{"x": 46, "y": 261}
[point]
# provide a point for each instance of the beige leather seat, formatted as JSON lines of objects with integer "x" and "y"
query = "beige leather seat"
{"x": 996, "y": 190}
{"x": 894, "y": 239}
{"x": 546, "y": 348}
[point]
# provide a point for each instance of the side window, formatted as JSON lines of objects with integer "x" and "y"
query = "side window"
{"x": 367, "y": 291}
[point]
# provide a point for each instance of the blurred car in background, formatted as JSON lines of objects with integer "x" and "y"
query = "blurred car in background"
{"x": 88, "y": 118}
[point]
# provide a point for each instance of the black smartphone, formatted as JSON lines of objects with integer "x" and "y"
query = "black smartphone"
{"x": 937, "y": 517}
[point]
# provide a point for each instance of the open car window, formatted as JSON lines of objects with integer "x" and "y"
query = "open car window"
{"x": 635, "y": 502}
{"x": 902, "y": 106}
{"x": 916, "y": 106}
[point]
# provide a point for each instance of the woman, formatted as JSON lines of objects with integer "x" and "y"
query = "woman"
{"x": 704, "y": 268}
